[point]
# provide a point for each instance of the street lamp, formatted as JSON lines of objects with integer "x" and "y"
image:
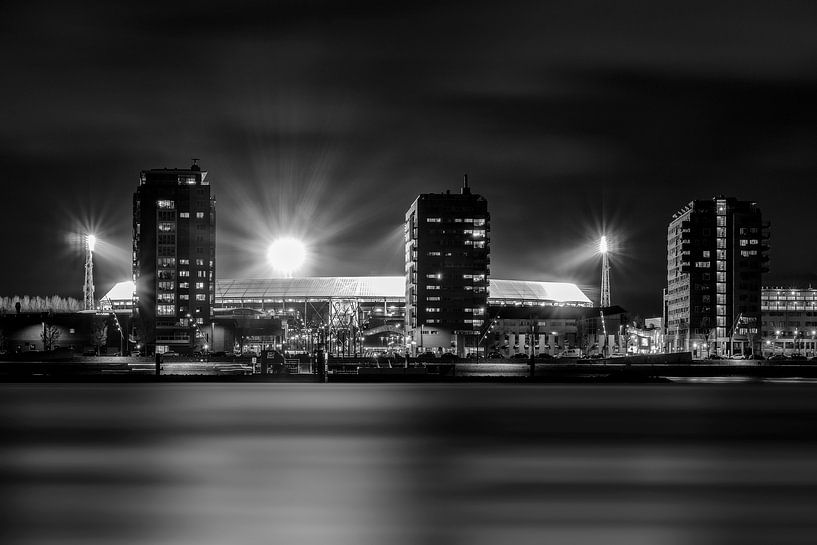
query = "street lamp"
{"x": 286, "y": 255}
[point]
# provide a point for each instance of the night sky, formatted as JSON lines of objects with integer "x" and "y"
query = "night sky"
{"x": 326, "y": 119}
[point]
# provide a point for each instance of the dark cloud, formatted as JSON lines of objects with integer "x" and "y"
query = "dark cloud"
{"x": 328, "y": 118}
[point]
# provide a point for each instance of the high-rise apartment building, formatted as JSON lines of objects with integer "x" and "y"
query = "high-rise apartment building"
{"x": 174, "y": 242}
{"x": 447, "y": 268}
{"x": 716, "y": 254}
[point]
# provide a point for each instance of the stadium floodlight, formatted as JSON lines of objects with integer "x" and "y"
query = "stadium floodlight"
{"x": 604, "y": 299}
{"x": 88, "y": 283}
{"x": 286, "y": 255}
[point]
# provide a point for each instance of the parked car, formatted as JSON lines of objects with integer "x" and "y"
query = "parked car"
{"x": 520, "y": 356}
{"x": 495, "y": 356}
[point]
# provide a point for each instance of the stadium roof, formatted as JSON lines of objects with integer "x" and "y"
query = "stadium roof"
{"x": 386, "y": 287}
{"x": 340, "y": 287}
{"x": 376, "y": 288}
{"x": 529, "y": 290}
{"x": 121, "y": 291}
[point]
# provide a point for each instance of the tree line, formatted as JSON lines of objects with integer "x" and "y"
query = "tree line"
{"x": 54, "y": 303}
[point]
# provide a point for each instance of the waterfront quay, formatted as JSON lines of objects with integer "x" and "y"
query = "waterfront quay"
{"x": 246, "y": 369}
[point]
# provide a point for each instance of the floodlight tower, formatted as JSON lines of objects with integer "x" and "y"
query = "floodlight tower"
{"x": 88, "y": 286}
{"x": 605, "y": 273}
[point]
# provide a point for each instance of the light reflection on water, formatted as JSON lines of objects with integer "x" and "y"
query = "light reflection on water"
{"x": 271, "y": 463}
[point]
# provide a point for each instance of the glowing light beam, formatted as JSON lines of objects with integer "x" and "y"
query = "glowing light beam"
{"x": 286, "y": 255}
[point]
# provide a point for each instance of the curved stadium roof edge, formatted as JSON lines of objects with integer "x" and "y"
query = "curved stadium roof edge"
{"x": 370, "y": 287}
{"x": 387, "y": 287}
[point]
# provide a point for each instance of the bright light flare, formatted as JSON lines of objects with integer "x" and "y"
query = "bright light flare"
{"x": 603, "y": 245}
{"x": 286, "y": 255}
{"x": 91, "y": 241}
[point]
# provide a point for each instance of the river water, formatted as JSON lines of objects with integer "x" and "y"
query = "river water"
{"x": 381, "y": 463}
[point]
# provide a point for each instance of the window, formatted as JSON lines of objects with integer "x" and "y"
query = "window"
{"x": 184, "y": 215}
{"x": 167, "y": 227}
{"x": 706, "y": 254}
{"x": 200, "y": 297}
{"x": 432, "y": 287}
{"x": 434, "y": 220}
{"x": 702, "y": 264}
{"x": 184, "y": 297}
{"x": 165, "y": 310}
{"x": 184, "y": 273}
{"x": 184, "y": 262}
{"x": 200, "y": 215}
{"x": 184, "y": 285}
{"x": 200, "y": 262}
{"x": 433, "y": 253}
{"x": 165, "y": 204}
{"x": 199, "y": 285}
{"x": 435, "y": 298}
{"x": 432, "y": 309}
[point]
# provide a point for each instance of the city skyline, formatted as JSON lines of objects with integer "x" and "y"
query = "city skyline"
{"x": 326, "y": 122}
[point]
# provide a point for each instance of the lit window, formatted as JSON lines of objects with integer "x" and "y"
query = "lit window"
{"x": 199, "y": 285}
{"x": 184, "y": 215}
{"x": 165, "y": 204}
{"x": 200, "y": 215}
{"x": 434, "y": 220}
{"x": 184, "y": 273}
{"x": 200, "y": 262}
{"x": 200, "y": 297}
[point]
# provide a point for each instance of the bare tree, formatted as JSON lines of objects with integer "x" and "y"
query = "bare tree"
{"x": 50, "y": 335}
{"x": 100, "y": 335}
